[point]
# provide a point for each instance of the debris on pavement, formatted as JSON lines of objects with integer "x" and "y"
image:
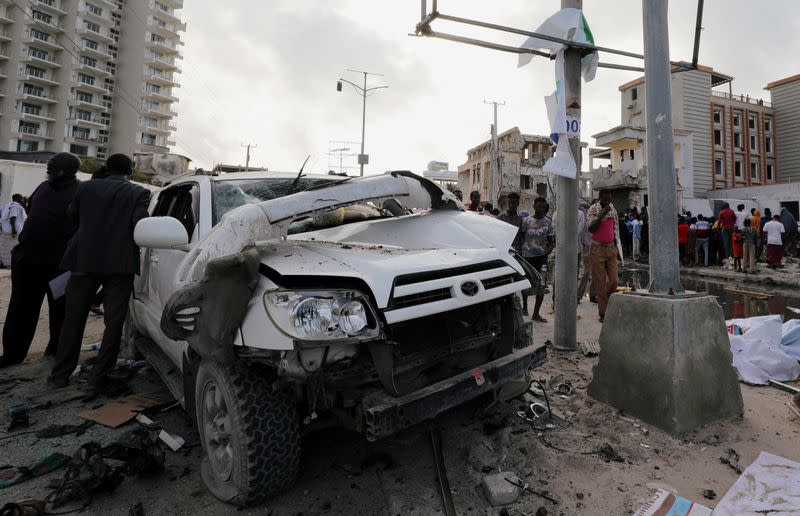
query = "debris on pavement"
{"x": 590, "y": 348}
{"x": 19, "y": 416}
{"x": 794, "y": 404}
{"x": 768, "y": 485}
{"x": 118, "y": 412}
{"x": 665, "y": 502}
{"x": 709, "y": 494}
{"x": 525, "y": 486}
{"x": 732, "y": 459}
{"x": 441, "y": 473}
{"x": 23, "y": 508}
{"x": 11, "y": 475}
{"x": 59, "y": 430}
{"x": 173, "y": 441}
{"x": 501, "y": 488}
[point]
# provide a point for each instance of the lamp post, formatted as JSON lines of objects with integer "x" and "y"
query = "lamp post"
{"x": 363, "y": 159}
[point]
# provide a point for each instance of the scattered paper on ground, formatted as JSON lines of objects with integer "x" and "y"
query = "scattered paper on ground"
{"x": 665, "y": 503}
{"x": 770, "y": 485}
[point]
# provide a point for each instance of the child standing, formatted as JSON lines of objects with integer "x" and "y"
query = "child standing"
{"x": 738, "y": 240}
{"x": 749, "y": 238}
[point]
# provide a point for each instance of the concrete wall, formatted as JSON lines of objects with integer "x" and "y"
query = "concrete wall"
{"x": 786, "y": 105}
{"x": 693, "y": 115}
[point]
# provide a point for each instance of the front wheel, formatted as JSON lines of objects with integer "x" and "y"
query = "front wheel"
{"x": 249, "y": 434}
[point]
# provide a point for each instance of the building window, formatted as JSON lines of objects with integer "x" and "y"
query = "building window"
{"x": 30, "y": 89}
{"x": 88, "y": 43}
{"x": 718, "y": 167}
{"x": 717, "y": 116}
{"x": 767, "y": 125}
{"x": 150, "y": 122}
{"x": 754, "y": 170}
{"x": 31, "y": 109}
{"x": 156, "y": 55}
{"x": 40, "y": 35}
{"x": 157, "y": 38}
{"x": 37, "y": 53}
{"x": 737, "y": 120}
{"x": 82, "y": 114}
{"x": 524, "y": 182}
{"x": 27, "y": 146}
{"x": 35, "y": 71}
{"x": 148, "y": 139}
{"x": 94, "y": 10}
{"x": 38, "y": 15}
{"x": 622, "y": 155}
{"x": 770, "y": 171}
{"x": 80, "y": 133}
{"x": 152, "y": 105}
{"x": 89, "y": 61}
{"x": 92, "y": 26}
{"x": 768, "y": 144}
{"x": 83, "y": 96}
{"x": 752, "y": 142}
{"x": 631, "y": 153}
{"x": 737, "y": 168}
{"x": 85, "y": 79}
{"x": 751, "y": 122}
{"x": 718, "y": 137}
{"x": 80, "y": 150}
{"x": 737, "y": 140}
{"x": 634, "y": 94}
{"x": 28, "y": 127}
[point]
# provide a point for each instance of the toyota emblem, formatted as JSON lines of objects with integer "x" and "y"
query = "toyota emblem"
{"x": 469, "y": 288}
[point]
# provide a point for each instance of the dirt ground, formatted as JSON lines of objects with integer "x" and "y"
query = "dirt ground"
{"x": 342, "y": 474}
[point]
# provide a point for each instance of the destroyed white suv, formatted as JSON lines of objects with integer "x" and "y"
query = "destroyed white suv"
{"x": 273, "y": 304}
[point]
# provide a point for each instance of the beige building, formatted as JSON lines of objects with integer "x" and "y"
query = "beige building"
{"x": 88, "y": 76}
{"x": 522, "y": 157}
{"x": 735, "y": 141}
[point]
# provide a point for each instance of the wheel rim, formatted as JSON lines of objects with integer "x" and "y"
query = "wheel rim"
{"x": 217, "y": 430}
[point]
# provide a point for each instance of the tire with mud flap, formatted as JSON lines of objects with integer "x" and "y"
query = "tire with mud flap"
{"x": 250, "y": 434}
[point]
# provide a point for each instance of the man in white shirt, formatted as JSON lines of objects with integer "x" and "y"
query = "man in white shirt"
{"x": 12, "y": 218}
{"x": 774, "y": 231}
{"x": 741, "y": 215}
{"x": 702, "y": 230}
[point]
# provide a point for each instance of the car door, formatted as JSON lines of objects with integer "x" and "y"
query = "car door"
{"x": 181, "y": 202}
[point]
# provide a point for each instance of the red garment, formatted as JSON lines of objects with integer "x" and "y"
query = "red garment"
{"x": 738, "y": 241}
{"x": 683, "y": 233}
{"x": 727, "y": 218}
{"x": 774, "y": 254}
{"x": 605, "y": 233}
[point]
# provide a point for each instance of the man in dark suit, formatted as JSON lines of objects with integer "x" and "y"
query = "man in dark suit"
{"x": 102, "y": 253}
{"x": 35, "y": 260}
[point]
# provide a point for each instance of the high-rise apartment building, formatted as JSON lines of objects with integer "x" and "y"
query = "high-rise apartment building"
{"x": 91, "y": 77}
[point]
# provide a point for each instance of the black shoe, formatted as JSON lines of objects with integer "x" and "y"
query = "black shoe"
{"x": 593, "y": 299}
{"x": 57, "y": 383}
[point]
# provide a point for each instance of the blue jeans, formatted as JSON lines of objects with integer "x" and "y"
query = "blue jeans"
{"x": 698, "y": 244}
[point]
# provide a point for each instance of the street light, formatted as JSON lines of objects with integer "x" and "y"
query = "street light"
{"x": 363, "y": 159}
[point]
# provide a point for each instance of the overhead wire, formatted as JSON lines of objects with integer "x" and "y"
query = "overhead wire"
{"x": 117, "y": 86}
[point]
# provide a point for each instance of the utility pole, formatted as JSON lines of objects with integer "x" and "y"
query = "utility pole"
{"x": 247, "y": 159}
{"x": 566, "y": 276}
{"x": 494, "y": 189}
{"x": 363, "y": 159}
{"x": 665, "y": 272}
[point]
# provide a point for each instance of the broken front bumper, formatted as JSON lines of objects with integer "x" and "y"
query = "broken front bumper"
{"x": 386, "y": 415}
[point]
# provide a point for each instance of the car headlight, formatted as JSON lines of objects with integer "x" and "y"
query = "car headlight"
{"x": 322, "y": 315}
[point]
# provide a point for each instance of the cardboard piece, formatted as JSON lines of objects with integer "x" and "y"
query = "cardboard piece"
{"x": 771, "y": 484}
{"x": 118, "y": 412}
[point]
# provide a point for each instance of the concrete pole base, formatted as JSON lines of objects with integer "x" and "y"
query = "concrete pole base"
{"x": 667, "y": 361}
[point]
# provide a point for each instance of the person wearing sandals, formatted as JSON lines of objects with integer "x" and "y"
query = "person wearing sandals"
{"x": 603, "y": 225}
{"x": 537, "y": 243}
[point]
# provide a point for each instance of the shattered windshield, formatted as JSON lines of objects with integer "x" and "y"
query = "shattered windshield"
{"x": 229, "y": 195}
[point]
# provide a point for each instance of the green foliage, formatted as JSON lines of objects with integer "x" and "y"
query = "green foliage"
{"x": 141, "y": 177}
{"x": 90, "y": 165}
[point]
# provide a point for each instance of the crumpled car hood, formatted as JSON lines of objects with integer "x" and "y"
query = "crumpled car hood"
{"x": 378, "y": 251}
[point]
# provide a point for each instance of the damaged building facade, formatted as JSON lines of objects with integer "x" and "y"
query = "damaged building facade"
{"x": 521, "y": 158}
{"x": 723, "y": 141}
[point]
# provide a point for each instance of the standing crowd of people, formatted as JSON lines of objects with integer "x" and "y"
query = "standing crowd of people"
{"x": 78, "y": 235}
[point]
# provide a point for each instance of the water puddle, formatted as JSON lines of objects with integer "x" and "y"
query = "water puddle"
{"x": 735, "y": 304}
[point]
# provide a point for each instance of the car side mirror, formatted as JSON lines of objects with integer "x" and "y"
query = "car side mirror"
{"x": 160, "y": 233}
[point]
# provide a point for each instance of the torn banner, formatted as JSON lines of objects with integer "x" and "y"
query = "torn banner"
{"x": 568, "y": 24}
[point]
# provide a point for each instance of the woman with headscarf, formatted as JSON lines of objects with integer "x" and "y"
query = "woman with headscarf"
{"x": 790, "y": 226}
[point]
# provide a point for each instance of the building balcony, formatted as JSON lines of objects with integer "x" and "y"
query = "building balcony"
{"x": 93, "y": 69}
{"x": 47, "y": 44}
{"x": 5, "y": 18}
{"x": 3, "y": 55}
{"x": 161, "y": 97}
{"x": 97, "y": 53}
{"x": 160, "y": 113}
{"x": 52, "y": 7}
{"x": 5, "y": 36}
{"x": 168, "y": 30}
{"x": 161, "y": 80}
{"x": 43, "y": 80}
{"x": 40, "y": 133}
{"x": 740, "y": 98}
{"x": 3, "y": 74}
{"x": 94, "y": 88}
{"x": 37, "y": 97}
{"x": 48, "y": 61}
{"x": 110, "y": 4}
{"x": 152, "y": 148}
{"x": 104, "y": 35}
{"x": 41, "y": 116}
{"x": 96, "y": 123}
{"x": 167, "y": 66}
{"x": 94, "y": 104}
{"x": 169, "y": 16}
{"x": 165, "y": 47}
{"x": 79, "y": 138}
{"x": 161, "y": 129}
{"x": 53, "y": 24}
{"x": 97, "y": 18}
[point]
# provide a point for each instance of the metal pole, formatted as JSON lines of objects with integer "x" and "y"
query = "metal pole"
{"x": 566, "y": 274}
{"x": 363, "y": 123}
{"x": 495, "y": 158}
{"x": 661, "y": 176}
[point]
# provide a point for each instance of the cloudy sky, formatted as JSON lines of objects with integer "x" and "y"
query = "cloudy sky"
{"x": 265, "y": 73}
